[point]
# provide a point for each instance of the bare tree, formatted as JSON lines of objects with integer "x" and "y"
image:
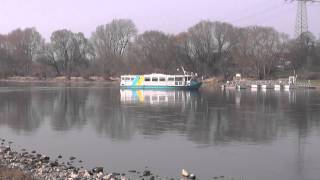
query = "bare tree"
{"x": 259, "y": 49}
{"x": 61, "y": 44}
{"x": 156, "y": 51}
{"x": 202, "y": 44}
{"x": 226, "y": 37}
{"x": 300, "y": 51}
{"x": 209, "y": 48}
{"x": 49, "y": 57}
{"x": 73, "y": 49}
{"x": 5, "y": 64}
{"x": 24, "y": 46}
{"x": 208, "y": 45}
{"x": 111, "y": 41}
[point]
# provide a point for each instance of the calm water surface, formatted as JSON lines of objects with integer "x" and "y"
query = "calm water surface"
{"x": 254, "y": 135}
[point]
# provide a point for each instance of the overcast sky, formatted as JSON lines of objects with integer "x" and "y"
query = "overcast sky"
{"x": 170, "y": 16}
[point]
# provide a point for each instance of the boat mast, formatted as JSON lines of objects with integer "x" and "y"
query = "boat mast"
{"x": 184, "y": 72}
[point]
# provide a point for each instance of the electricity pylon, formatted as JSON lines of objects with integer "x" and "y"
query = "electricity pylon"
{"x": 301, "y": 24}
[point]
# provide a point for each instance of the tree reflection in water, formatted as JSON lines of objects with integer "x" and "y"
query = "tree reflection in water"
{"x": 206, "y": 118}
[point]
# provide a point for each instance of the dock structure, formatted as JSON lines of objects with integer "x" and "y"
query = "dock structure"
{"x": 286, "y": 84}
{"x": 288, "y": 87}
{"x": 266, "y": 86}
{"x": 239, "y": 87}
{"x": 277, "y": 87}
{"x": 254, "y": 86}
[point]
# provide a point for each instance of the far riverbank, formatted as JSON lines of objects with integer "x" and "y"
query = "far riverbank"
{"x": 60, "y": 79}
{"x": 211, "y": 82}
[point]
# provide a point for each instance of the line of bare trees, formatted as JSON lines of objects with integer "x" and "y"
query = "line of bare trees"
{"x": 208, "y": 48}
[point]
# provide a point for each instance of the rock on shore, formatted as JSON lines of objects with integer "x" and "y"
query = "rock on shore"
{"x": 39, "y": 166}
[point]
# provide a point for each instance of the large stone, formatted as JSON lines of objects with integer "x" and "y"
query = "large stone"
{"x": 45, "y": 159}
{"x": 74, "y": 175}
{"x": 192, "y": 176}
{"x": 99, "y": 175}
{"x": 97, "y": 169}
{"x": 146, "y": 173}
{"x": 184, "y": 173}
{"x": 54, "y": 164}
{"x": 108, "y": 176}
{"x": 86, "y": 174}
{"x": 5, "y": 149}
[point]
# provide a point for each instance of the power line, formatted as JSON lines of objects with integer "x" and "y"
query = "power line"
{"x": 273, "y": 15}
{"x": 259, "y": 13}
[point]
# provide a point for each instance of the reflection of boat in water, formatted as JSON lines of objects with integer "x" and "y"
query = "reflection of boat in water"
{"x": 154, "y": 97}
{"x": 187, "y": 81}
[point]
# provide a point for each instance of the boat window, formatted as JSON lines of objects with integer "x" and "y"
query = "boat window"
{"x": 189, "y": 78}
{"x": 178, "y": 78}
{"x": 154, "y": 79}
{"x": 147, "y": 79}
{"x": 127, "y": 79}
{"x": 154, "y": 98}
{"x": 132, "y": 79}
{"x": 171, "y": 79}
{"x": 162, "y": 79}
{"x": 122, "y": 78}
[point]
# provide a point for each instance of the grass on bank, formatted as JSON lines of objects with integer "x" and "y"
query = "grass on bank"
{"x": 13, "y": 174}
{"x": 316, "y": 82}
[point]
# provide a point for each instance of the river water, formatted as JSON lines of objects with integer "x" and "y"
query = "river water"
{"x": 254, "y": 135}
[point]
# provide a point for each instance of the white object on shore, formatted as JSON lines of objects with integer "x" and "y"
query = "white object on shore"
{"x": 86, "y": 174}
{"x": 99, "y": 175}
{"x": 240, "y": 87}
{"x": 277, "y": 87}
{"x": 254, "y": 86}
{"x": 184, "y": 173}
{"x": 73, "y": 175}
{"x": 108, "y": 176}
{"x": 288, "y": 87}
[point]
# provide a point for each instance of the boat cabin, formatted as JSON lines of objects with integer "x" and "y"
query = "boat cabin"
{"x": 156, "y": 80}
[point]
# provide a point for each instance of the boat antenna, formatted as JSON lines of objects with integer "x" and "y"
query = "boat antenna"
{"x": 184, "y": 72}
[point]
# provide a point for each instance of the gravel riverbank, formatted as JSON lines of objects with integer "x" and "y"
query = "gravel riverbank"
{"x": 24, "y": 165}
{"x": 31, "y": 165}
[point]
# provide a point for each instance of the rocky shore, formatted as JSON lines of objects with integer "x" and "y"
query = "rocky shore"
{"x": 24, "y": 165}
{"x": 32, "y": 165}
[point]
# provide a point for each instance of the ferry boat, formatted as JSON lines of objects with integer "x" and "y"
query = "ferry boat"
{"x": 188, "y": 81}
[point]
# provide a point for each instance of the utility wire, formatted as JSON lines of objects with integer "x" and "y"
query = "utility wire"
{"x": 267, "y": 10}
{"x": 260, "y": 4}
{"x": 259, "y": 13}
{"x": 272, "y": 15}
